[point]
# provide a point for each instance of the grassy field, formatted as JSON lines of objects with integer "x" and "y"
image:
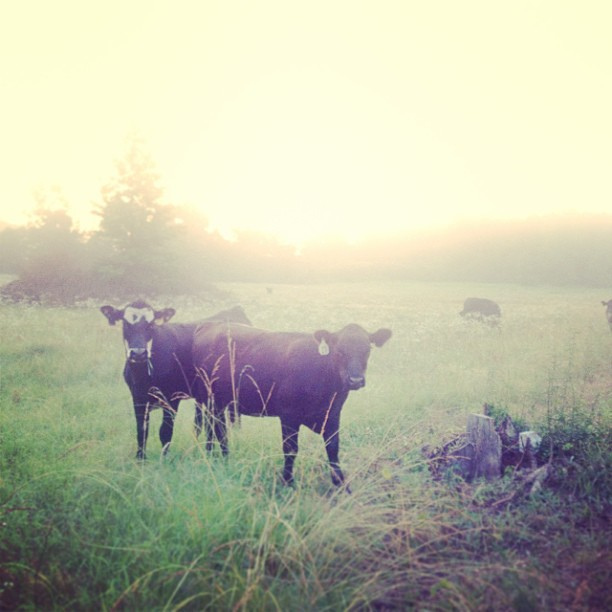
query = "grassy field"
{"x": 83, "y": 526}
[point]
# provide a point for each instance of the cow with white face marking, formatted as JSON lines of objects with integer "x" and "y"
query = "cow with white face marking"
{"x": 159, "y": 367}
{"x": 608, "y": 306}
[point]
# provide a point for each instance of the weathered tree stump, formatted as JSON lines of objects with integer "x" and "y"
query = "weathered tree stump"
{"x": 483, "y": 451}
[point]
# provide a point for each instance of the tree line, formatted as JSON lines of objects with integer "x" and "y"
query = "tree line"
{"x": 144, "y": 247}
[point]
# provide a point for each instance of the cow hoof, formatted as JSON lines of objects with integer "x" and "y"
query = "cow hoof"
{"x": 341, "y": 485}
{"x": 165, "y": 449}
{"x": 344, "y": 488}
{"x": 140, "y": 456}
{"x": 338, "y": 478}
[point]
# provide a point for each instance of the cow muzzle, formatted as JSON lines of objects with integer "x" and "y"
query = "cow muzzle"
{"x": 138, "y": 355}
{"x": 356, "y": 382}
{"x": 138, "y": 352}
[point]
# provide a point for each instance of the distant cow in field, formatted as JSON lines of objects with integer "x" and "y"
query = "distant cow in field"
{"x": 159, "y": 367}
{"x": 302, "y": 378}
{"x": 608, "y": 306}
{"x": 481, "y": 309}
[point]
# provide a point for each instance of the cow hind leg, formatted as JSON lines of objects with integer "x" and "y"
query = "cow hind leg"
{"x": 167, "y": 427}
{"x": 220, "y": 429}
{"x": 214, "y": 424}
{"x": 210, "y": 434}
{"x": 234, "y": 414}
{"x": 205, "y": 413}
{"x": 197, "y": 419}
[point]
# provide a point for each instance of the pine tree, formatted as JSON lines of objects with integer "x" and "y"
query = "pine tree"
{"x": 136, "y": 228}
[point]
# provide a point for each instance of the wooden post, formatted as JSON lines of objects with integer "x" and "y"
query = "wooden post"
{"x": 484, "y": 448}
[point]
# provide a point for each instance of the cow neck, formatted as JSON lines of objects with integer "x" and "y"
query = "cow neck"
{"x": 138, "y": 368}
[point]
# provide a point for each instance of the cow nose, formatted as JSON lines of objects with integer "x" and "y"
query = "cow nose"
{"x": 356, "y": 382}
{"x": 138, "y": 354}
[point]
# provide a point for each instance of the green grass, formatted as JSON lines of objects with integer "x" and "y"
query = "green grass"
{"x": 83, "y": 526}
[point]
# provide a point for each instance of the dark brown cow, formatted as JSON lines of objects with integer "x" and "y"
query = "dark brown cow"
{"x": 608, "y": 306}
{"x": 481, "y": 309}
{"x": 158, "y": 367}
{"x": 304, "y": 379}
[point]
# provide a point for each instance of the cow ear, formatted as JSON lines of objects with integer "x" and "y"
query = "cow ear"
{"x": 163, "y": 316}
{"x": 111, "y": 313}
{"x": 379, "y": 337}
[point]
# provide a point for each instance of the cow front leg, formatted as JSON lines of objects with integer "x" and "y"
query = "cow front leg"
{"x": 141, "y": 412}
{"x": 331, "y": 435}
{"x": 290, "y": 449}
{"x": 167, "y": 427}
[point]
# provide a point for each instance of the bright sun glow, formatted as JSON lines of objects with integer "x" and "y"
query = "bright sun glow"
{"x": 318, "y": 119}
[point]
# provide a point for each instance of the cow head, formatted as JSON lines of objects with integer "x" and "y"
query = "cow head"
{"x": 139, "y": 320}
{"x": 350, "y": 349}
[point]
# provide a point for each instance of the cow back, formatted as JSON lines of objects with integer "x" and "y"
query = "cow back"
{"x": 172, "y": 350}
{"x": 267, "y": 372}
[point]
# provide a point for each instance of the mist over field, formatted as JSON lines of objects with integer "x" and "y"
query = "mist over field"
{"x": 52, "y": 258}
{"x": 555, "y": 250}
{"x": 143, "y": 245}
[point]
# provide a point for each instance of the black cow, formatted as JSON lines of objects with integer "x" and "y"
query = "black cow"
{"x": 304, "y": 379}
{"x": 481, "y": 309}
{"x": 608, "y": 306}
{"x": 159, "y": 368}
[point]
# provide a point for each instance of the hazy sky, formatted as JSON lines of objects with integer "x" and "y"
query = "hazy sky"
{"x": 313, "y": 117}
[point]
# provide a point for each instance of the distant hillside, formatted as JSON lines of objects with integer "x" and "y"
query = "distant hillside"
{"x": 560, "y": 250}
